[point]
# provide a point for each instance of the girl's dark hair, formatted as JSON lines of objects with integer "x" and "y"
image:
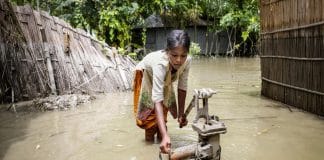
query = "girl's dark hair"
{"x": 176, "y": 38}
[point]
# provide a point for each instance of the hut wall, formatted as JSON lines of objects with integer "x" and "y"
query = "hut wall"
{"x": 292, "y": 52}
{"x": 43, "y": 55}
{"x": 218, "y": 43}
{"x": 156, "y": 39}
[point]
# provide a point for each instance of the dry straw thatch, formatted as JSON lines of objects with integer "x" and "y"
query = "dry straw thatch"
{"x": 42, "y": 55}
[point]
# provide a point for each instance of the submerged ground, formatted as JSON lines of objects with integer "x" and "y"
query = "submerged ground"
{"x": 257, "y": 128}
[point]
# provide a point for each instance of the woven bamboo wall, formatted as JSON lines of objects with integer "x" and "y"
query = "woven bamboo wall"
{"x": 292, "y": 52}
{"x": 43, "y": 55}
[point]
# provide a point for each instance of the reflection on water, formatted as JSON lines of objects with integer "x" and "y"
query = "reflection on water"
{"x": 258, "y": 128}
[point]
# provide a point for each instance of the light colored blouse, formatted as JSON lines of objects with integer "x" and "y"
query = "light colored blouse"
{"x": 157, "y": 80}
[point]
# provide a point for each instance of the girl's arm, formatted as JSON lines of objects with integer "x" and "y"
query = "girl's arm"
{"x": 165, "y": 144}
{"x": 181, "y": 102}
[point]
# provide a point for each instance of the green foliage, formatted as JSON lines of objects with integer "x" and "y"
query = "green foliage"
{"x": 113, "y": 20}
{"x": 133, "y": 55}
{"x": 121, "y": 51}
{"x": 144, "y": 35}
{"x": 254, "y": 24}
{"x": 245, "y": 35}
{"x": 116, "y": 20}
{"x": 243, "y": 14}
{"x": 194, "y": 49}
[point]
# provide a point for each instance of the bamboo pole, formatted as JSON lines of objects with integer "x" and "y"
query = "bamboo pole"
{"x": 294, "y": 87}
{"x": 50, "y": 68}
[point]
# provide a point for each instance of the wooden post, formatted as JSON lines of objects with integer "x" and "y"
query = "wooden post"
{"x": 13, "y": 100}
{"x": 50, "y": 68}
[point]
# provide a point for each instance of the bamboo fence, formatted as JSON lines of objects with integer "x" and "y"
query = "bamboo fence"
{"x": 292, "y": 52}
{"x": 43, "y": 55}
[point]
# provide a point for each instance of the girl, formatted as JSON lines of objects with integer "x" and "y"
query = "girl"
{"x": 153, "y": 90}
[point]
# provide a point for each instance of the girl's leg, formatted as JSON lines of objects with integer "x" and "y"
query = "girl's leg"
{"x": 150, "y": 132}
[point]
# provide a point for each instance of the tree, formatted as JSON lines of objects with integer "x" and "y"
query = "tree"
{"x": 116, "y": 21}
{"x": 243, "y": 22}
{"x": 113, "y": 20}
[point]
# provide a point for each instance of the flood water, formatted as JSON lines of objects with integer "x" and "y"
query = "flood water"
{"x": 257, "y": 128}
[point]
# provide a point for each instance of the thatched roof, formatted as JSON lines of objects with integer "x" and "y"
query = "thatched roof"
{"x": 50, "y": 57}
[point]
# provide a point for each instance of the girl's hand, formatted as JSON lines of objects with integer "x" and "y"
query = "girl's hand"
{"x": 182, "y": 121}
{"x": 165, "y": 145}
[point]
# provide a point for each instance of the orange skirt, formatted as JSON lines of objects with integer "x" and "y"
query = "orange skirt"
{"x": 150, "y": 117}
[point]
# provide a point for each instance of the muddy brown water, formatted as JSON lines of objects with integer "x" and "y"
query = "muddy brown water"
{"x": 257, "y": 128}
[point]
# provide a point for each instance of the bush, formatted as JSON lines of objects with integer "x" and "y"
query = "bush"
{"x": 194, "y": 49}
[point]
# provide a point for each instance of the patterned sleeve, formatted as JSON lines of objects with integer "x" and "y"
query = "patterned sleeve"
{"x": 159, "y": 73}
{"x": 183, "y": 77}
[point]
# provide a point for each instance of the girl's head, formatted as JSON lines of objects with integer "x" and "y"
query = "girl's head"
{"x": 178, "y": 44}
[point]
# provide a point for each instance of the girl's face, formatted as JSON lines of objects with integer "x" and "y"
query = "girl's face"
{"x": 177, "y": 56}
